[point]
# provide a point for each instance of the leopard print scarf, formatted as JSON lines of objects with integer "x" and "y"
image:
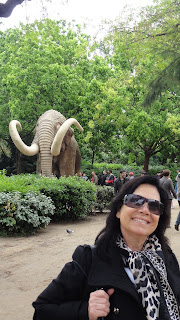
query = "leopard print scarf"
{"x": 139, "y": 263}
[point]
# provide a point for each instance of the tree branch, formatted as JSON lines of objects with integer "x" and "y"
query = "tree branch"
{"x": 7, "y": 8}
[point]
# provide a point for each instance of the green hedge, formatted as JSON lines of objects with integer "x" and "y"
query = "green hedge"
{"x": 22, "y": 183}
{"x": 104, "y": 196}
{"x": 73, "y": 197}
{"x": 24, "y": 215}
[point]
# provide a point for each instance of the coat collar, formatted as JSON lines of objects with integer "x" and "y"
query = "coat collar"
{"x": 110, "y": 273}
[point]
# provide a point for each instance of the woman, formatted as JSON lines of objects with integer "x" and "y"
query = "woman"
{"x": 130, "y": 273}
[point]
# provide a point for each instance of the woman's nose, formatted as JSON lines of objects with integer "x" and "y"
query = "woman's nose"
{"x": 145, "y": 208}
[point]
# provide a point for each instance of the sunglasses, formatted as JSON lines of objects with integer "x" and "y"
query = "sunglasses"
{"x": 136, "y": 201}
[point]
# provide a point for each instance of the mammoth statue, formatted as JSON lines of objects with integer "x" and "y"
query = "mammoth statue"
{"x": 54, "y": 143}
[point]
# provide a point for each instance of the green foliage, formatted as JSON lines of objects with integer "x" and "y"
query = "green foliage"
{"x": 153, "y": 170}
{"x": 21, "y": 183}
{"x": 163, "y": 39}
{"x": 73, "y": 198}
{"x": 24, "y": 215}
{"x": 150, "y": 46}
{"x": 45, "y": 55}
{"x": 103, "y": 198}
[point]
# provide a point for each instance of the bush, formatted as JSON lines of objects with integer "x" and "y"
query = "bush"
{"x": 22, "y": 183}
{"x": 104, "y": 196}
{"x": 24, "y": 215}
{"x": 73, "y": 197}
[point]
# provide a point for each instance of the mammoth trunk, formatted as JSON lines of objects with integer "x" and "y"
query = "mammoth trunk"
{"x": 46, "y": 136}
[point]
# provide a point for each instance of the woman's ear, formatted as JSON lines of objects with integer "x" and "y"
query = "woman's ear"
{"x": 118, "y": 214}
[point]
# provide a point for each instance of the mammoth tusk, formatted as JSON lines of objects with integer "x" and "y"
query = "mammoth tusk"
{"x": 28, "y": 151}
{"x": 56, "y": 145}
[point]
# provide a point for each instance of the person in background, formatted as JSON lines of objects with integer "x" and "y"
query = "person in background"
{"x": 94, "y": 178}
{"x": 120, "y": 181}
{"x": 144, "y": 173}
{"x": 130, "y": 273}
{"x": 110, "y": 179}
{"x": 57, "y": 174}
{"x": 131, "y": 175}
{"x": 160, "y": 174}
{"x": 167, "y": 184}
{"x": 84, "y": 176}
{"x": 177, "y": 223}
{"x": 102, "y": 178}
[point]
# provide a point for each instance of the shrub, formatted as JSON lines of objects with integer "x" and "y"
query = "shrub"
{"x": 103, "y": 198}
{"x": 73, "y": 197}
{"x": 24, "y": 215}
{"x": 22, "y": 183}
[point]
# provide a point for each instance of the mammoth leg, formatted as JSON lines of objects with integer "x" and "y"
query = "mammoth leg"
{"x": 67, "y": 159}
{"x": 55, "y": 167}
{"x": 78, "y": 161}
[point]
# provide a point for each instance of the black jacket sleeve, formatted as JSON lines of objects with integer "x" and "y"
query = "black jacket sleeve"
{"x": 173, "y": 272}
{"x": 116, "y": 186}
{"x": 64, "y": 298}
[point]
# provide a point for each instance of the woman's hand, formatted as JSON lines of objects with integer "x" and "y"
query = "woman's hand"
{"x": 99, "y": 305}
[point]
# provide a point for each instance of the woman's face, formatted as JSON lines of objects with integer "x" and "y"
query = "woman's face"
{"x": 138, "y": 223}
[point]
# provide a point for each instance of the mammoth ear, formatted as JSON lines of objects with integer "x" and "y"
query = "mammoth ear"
{"x": 63, "y": 146}
{"x": 67, "y": 138}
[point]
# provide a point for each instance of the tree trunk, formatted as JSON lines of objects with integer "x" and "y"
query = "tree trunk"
{"x": 146, "y": 161}
{"x": 7, "y": 8}
{"x": 18, "y": 161}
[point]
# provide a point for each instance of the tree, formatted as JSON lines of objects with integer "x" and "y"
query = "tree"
{"x": 148, "y": 48}
{"x": 155, "y": 32}
{"x": 152, "y": 130}
{"x": 47, "y": 65}
{"x": 40, "y": 70}
{"x": 163, "y": 35}
{"x": 43, "y": 66}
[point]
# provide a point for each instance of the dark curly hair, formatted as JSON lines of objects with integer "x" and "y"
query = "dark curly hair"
{"x": 111, "y": 231}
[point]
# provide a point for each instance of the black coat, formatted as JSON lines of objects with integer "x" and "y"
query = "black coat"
{"x": 167, "y": 184}
{"x": 66, "y": 298}
{"x": 118, "y": 184}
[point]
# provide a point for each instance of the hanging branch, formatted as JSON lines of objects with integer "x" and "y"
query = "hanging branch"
{"x": 7, "y": 8}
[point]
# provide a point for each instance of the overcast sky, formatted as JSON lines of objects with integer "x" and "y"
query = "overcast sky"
{"x": 78, "y": 10}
